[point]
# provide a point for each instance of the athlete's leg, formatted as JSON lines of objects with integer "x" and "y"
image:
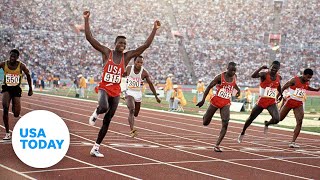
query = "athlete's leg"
{"x": 16, "y": 106}
{"x": 103, "y": 106}
{"x": 137, "y": 109}
{"x": 274, "y": 112}
{"x": 207, "y": 117}
{"x": 131, "y": 106}
{"x": 225, "y": 117}
{"x": 5, "y": 104}
{"x": 299, "y": 114}
{"x": 113, "y": 105}
{"x": 254, "y": 114}
{"x": 103, "y": 99}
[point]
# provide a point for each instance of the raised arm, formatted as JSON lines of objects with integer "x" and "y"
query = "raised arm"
{"x": 27, "y": 73}
{"x": 215, "y": 81}
{"x": 147, "y": 77}
{"x": 99, "y": 47}
{"x": 141, "y": 49}
{"x": 257, "y": 73}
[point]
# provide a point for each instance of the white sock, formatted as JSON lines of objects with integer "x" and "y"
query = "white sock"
{"x": 96, "y": 146}
{"x": 94, "y": 114}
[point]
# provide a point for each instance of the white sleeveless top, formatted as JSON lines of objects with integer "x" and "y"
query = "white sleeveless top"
{"x": 134, "y": 81}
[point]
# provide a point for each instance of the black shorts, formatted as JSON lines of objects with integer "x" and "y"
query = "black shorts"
{"x": 14, "y": 91}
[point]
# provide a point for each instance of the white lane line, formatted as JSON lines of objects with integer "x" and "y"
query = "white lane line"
{"x": 126, "y": 124}
{"x": 125, "y": 175}
{"x": 150, "y": 159}
{"x": 169, "y": 114}
{"x": 148, "y": 164}
{"x": 157, "y": 115}
{"x": 179, "y": 167}
{"x": 17, "y": 172}
{"x": 276, "y": 172}
{"x": 170, "y": 127}
{"x": 104, "y": 169}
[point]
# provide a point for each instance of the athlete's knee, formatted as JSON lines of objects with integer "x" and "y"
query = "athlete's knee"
{"x": 299, "y": 122}
{"x": 225, "y": 122}
{"x": 102, "y": 109}
{"x": 206, "y": 121}
{"x": 131, "y": 111}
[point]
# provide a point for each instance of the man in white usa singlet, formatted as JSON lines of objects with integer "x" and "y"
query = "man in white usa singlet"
{"x": 136, "y": 74}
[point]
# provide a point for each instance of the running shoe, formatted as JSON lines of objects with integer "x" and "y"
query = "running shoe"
{"x": 7, "y": 137}
{"x": 94, "y": 152}
{"x": 293, "y": 145}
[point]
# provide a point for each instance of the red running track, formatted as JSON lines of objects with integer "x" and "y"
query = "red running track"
{"x": 168, "y": 146}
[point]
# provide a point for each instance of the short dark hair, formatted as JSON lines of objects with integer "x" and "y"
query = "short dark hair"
{"x": 134, "y": 60}
{"x": 308, "y": 71}
{"x": 232, "y": 64}
{"x": 276, "y": 63}
{"x": 119, "y": 37}
{"x": 15, "y": 51}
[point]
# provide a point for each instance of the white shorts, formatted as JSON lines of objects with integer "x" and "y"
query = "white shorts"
{"x": 137, "y": 95}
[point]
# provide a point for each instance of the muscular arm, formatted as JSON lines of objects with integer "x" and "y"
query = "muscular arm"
{"x": 141, "y": 49}
{"x": 27, "y": 73}
{"x": 147, "y": 77}
{"x": 238, "y": 89}
{"x": 215, "y": 81}
{"x": 99, "y": 47}
{"x": 257, "y": 73}
{"x": 291, "y": 82}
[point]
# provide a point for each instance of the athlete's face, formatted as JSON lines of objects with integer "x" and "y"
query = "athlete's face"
{"x": 306, "y": 77}
{"x": 121, "y": 44}
{"x": 13, "y": 57}
{"x": 231, "y": 70}
{"x": 138, "y": 63}
{"x": 274, "y": 68}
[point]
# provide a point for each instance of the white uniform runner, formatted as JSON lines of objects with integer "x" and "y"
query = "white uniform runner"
{"x": 134, "y": 85}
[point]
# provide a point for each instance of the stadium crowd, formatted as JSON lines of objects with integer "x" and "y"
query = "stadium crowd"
{"x": 48, "y": 34}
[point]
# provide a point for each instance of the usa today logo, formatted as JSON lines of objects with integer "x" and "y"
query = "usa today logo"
{"x": 40, "y": 139}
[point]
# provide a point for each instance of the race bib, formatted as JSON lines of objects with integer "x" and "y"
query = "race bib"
{"x": 12, "y": 79}
{"x": 300, "y": 93}
{"x": 133, "y": 84}
{"x": 112, "y": 78}
{"x": 270, "y": 92}
{"x": 224, "y": 94}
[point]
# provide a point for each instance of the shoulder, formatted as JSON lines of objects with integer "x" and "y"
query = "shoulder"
{"x": 144, "y": 73}
{"x": 2, "y": 64}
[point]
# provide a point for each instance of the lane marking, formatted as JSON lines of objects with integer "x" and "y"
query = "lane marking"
{"x": 17, "y": 172}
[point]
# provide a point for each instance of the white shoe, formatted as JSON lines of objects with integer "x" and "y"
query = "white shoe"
{"x": 7, "y": 137}
{"x": 293, "y": 145}
{"x": 96, "y": 153}
{"x": 240, "y": 138}
{"x": 93, "y": 118}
